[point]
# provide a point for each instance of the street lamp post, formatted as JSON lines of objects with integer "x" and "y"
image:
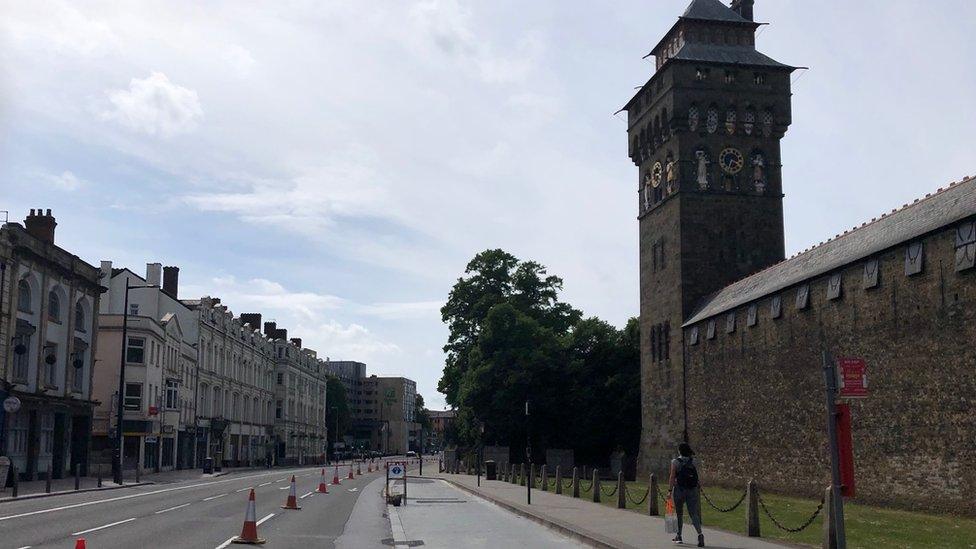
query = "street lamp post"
{"x": 117, "y": 462}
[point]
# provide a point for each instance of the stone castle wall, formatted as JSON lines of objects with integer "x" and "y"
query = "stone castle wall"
{"x": 755, "y": 393}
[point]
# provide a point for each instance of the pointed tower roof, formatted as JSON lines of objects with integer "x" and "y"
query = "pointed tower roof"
{"x": 712, "y": 10}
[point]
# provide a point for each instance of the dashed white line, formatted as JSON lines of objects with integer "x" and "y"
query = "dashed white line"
{"x": 282, "y": 479}
{"x": 244, "y": 489}
{"x": 214, "y": 497}
{"x": 170, "y": 509}
{"x": 305, "y": 495}
{"x": 284, "y": 487}
{"x": 262, "y": 521}
{"x": 226, "y": 543}
{"x": 25, "y": 547}
{"x": 103, "y": 527}
{"x": 265, "y": 484}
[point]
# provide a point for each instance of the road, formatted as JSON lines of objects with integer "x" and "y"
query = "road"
{"x": 198, "y": 514}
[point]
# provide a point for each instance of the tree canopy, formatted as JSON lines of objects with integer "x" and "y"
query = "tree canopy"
{"x": 512, "y": 340}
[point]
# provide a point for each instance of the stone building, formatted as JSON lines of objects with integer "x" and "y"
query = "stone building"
{"x": 391, "y": 408}
{"x": 48, "y": 299}
{"x": 733, "y": 332}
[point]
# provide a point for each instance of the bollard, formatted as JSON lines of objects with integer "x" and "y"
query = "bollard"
{"x": 47, "y": 481}
{"x": 138, "y": 472}
{"x": 596, "y": 485}
{"x": 512, "y": 477}
{"x": 440, "y": 466}
{"x": 575, "y": 482}
{"x": 98, "y": 471}
{"x": 752, "y": 511}
{"x": 77, "y": 476}
{"x": 16, "y": 487}
{"x": 829, "y": 537}
{"x": 559, "y": 482}
{"x": 652, "y": 496}
{"x": 621, "y": 491}
{"x": 545, "y": 479}
{"x": 522, "y": 475}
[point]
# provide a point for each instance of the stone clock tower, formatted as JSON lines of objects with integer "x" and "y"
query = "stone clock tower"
{"x": 704, "y": 132}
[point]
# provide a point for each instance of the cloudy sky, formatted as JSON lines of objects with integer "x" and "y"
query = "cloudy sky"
{"x": 334, "y": 165}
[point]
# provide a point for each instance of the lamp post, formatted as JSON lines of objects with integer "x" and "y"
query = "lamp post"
{"x": 117, "y": 462}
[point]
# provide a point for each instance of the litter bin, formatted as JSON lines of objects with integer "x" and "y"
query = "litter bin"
{"x": 491, "y": 470}
{"x": 208, "y": 466}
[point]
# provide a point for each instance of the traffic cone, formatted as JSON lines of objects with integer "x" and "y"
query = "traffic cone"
{"x": 323, "y": 488}
{"x": 350, "y": 477}
{"x": 80, "y": 543}
{"x": 335, "y": 477}
{"x": 292, "y": 501}
{"x": 249, "y": 534}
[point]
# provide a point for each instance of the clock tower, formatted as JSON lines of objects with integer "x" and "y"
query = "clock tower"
{"x": 705, "y": 134}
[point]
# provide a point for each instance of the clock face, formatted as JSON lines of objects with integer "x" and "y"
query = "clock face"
{"x": 656, "y": 174}
{"x": 731, "y": 161}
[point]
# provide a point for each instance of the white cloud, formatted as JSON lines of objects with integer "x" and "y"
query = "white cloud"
{"x": 406, "y": 310}
{"x": 239, "y": 58}
{"x": 155, "y": 106}
{"x": 67, "y": 181}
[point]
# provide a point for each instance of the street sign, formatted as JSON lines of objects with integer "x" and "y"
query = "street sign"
{"x": 11, "y": 404}
{"x": 151, "y": 439}
{"x": 153, "y": 410}
{"x": 853, "y": 382}
{"x": 398, "y": 470}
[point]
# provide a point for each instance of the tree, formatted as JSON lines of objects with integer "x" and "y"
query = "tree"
{"x": 421, "y": 415}
{"x": 336, "y": 405}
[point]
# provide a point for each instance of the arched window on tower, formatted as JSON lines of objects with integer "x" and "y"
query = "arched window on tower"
{"x": 767, "y": 123}
{"x": 749, "y": 121}
{"x": 730, "y": 120}
{"x": 693, "y": 117}
{"x": 23, "y": 296}
{"x": 53, "y": 306}
{"x": 711, "y": 119}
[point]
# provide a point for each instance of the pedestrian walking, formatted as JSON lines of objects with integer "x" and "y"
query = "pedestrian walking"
{"x": 685, "y": 490}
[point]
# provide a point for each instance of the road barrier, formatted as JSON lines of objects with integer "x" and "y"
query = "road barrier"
{"x": 249, "y": 533}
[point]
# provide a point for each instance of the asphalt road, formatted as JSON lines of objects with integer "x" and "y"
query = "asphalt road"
{"x": 198, "y": 514}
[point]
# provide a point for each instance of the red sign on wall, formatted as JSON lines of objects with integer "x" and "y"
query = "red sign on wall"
{"x": 853, "y": 382}
{"x": 153, "y": 410}
{"x": 845, "y": 447}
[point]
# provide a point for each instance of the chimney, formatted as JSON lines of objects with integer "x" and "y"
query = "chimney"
{"x": 281, "y": 333}
{"x": 743, "y": 8}
{"x": 41, "y": 225}
{"x": 297, "y": 341}
{"x": 154, "y": 272}
{"x": 105, "y": 279}
{"x": 171, "y": 281}
{"x": 269, "y": 329}
{"x": 252, "y": 319}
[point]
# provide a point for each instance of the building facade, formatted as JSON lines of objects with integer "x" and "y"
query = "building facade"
{"x": 48, "y": 326}
{"x": 733, "y": 333}
{"x": 390, "y": 406}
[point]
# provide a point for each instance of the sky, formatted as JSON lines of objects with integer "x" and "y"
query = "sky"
{"x": 335, "y": 165}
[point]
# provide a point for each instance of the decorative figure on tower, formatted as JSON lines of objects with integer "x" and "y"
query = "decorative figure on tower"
{"x": 647, "y": 191}
{"x": 702, "y": 171}
{"x": 759, "y": 173}
{"x": 671, "y": 169}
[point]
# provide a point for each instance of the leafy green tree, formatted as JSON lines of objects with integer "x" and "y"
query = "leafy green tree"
{"x": 421, "y": 414}
{"x": 337, "y": 406}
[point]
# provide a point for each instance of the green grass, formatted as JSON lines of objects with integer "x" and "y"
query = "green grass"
{"x": 867, "y": 527}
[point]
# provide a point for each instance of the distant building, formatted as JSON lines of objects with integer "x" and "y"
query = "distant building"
{"x": 48, "y": 299}
{"x": 393, "y": 401}
{"x": 441, "y": 423}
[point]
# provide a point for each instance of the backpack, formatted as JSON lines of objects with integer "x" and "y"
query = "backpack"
{"x": 687, "y": 475}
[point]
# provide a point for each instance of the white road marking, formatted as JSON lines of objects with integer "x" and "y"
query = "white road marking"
{"x": 265, "y": 484}
{"x": 282, "y": 479}
{"x": 354, "y": 489}
{"x": 305, "y": 495}
{"x": 130, "y": 496}
{"x": 284, "y": 487}
{"x": 103, "y": 527}
{"x": 244, "y": 489}
{"x": 171, "y": 509}
{"x": 226, "y": 543}
{"x": 214, "y": 497}
{"x": 262, "y": 521}
{"x": 25, "y": 547}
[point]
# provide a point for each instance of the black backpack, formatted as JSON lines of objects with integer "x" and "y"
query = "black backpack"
{"x": 686, "y": 475}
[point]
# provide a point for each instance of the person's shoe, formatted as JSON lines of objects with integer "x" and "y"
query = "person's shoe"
{"x": 676, "y": 540}
{"x": 701, "y": 540}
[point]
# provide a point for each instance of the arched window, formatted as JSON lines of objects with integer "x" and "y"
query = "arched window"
{"x": 711, "y": 119}
{"x": 53, "y": 306}
{"x": 23, "y": 296}
{"x": 80, "y": 316}
{"x": 693, "y": 117}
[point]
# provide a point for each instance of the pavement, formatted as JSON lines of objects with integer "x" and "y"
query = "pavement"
{"x": 593, "y": 523}
{"x": 199, "y": 513}
{"x": 439, "y": 516}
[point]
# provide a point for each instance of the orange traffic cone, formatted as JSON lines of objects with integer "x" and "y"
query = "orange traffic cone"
{"x": 335, "y": 477}
{"x": 80, "y": 543}
{"x": 350, "y": 477}
{"x": 323, "y": 488}
{"x": 249, "y": 534}
{"x": 292, "y": 501}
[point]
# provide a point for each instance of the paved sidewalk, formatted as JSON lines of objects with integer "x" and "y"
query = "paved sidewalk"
{"x": 593, "y": 522}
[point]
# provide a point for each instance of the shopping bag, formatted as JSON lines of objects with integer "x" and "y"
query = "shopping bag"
{"x": 670, "y": 517}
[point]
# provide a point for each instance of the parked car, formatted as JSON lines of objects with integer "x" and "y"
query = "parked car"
{"x": 411, "y": 454}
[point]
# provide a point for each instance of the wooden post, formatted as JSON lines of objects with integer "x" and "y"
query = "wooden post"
{"x": 596, "y": 485}
{"x": 752, "y": 511}
{"x": 545, "y": 479}
{"x": 652, "y": 496}
{"x": 575, "y": 482}
{"x": 829, "y": 536}
{"x": 559, "y": 481}
{"x": 621, "y": 491}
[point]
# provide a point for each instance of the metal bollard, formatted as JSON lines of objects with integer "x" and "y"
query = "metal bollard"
{"x": 545, "y": 480}
{"x": 98, "y": 469}
{"x": 77, "y": 476}
{"x": 575, "y": 482}
{"x": 596, "y": 485}
{"x": 47, "y": 481}
{"x": 752, "y": 511}
{"x": 621, "y": 491}
{"x": 16, "y": 487}
{"x": 559, "y": 481}
{"x": 652, "y": 496}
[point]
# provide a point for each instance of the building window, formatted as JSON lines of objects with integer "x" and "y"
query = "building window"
{"x": 966, "y": 246}
{"x": 134, "y": 309}
{"x": 23, "y": 296}
{"x": 17, "y": 435}
{"x": 47, "y": 433}
{"x": 21, "y": 347}
{"x": 277, "y": 409}
{"x": 53, "y": 307}
{"x": 78, "y": 371}
{"x": 281, "y": 378}
{"x": 133, "y": 396}
{"x": 913, "y": 258}
{"x": 51, "y": 364}
{"x": 172, "y": 394}
{"x": 135, "y": 351}
{"x": 729, "y": 77}
{"x": 80, "y": 317}
{"x": 759, "y": 78}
